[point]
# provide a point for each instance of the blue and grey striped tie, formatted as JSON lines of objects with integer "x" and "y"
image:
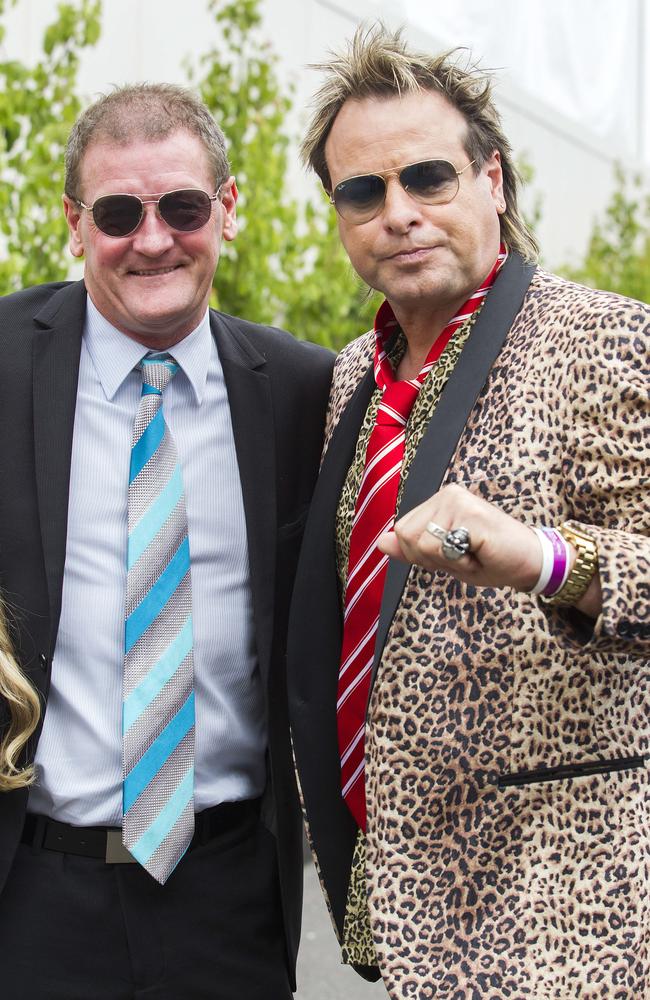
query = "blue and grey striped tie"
{"x": 158, "y": 711}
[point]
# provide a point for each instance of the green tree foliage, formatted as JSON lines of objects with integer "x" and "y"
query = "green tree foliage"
{"x": 286, "y": 266}
{"x": 37, "y": 108}
{"x": 533, "y": 213}
{"x": 618, "y": 253}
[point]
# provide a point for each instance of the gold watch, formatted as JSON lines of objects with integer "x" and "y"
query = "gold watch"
{"x": 583, "y": 569}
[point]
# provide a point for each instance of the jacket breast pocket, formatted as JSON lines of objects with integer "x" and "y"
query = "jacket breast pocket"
{"x": 566, "y": 771}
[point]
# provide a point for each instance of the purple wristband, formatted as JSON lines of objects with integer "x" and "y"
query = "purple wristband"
{"x": 559, "y": 562}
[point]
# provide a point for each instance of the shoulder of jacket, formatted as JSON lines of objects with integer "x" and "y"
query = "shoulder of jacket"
{"x": 33, "y": 298}
{"x": 560, "y": 289}
{"x": 271, "y": 339}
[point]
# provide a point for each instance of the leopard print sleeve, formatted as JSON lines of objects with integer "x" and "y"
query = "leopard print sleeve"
{"x": 624, "y": 559}
{"x": 607, "y": 459}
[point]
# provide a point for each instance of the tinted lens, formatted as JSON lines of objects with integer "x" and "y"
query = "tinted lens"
{"x": 431, "y": 181}
{"x": 359, "y": 197}
{"x": 117, "y": 214}
{"x": 185, "y": 210}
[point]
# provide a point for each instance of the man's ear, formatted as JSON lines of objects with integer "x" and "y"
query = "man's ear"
{"x": 72, "y": 213}
{"x": 228, "y": 199}
{"x": 492, "y": 168}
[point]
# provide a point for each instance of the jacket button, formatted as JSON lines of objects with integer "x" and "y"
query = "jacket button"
{"x": 42, "y": 660}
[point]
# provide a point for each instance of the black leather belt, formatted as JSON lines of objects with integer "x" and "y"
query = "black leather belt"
{"x": 106, "y": 842}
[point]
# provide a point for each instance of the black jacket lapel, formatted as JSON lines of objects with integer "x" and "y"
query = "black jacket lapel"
{"x": 313, "y": 655}
{"x": 251, "y": 411}
{"x": 56, "y": 351}
{"x": 320, "y": 530}
{"x": 451, "y": 414}
{"x": 315, "y": 624}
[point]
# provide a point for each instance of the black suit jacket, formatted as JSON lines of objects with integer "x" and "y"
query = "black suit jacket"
{"x": 277, "y": 390}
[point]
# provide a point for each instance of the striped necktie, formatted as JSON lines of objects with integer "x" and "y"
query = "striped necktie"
{"x": 374, "y": 513}
{"x": 158, "y": 710}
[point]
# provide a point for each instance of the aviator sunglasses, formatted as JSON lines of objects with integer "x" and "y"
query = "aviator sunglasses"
{"x": 432, "y": 182}
{"x": 121, "y": 214}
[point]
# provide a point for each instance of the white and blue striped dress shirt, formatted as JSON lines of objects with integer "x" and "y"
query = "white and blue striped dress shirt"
{"x": 78, "y": 762}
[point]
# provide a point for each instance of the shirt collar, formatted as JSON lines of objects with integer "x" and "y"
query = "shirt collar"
{"x": 114, "y": 355}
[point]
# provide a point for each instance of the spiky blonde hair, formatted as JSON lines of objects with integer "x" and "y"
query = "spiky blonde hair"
{"x": 378, "y": 63}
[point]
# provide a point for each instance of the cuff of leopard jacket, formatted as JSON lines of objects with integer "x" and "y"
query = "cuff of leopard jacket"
{"x": 623, "y": 625}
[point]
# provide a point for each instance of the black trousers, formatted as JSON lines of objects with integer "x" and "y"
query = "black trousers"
{"x": 75, "y": 928}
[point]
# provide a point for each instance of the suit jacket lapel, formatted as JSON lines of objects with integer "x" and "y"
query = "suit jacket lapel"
{"x": 316, "y": 602}
{"x": 56, "y": 351}
{"x": 451, "y": 414}
{"x": 336, "y": 463}
{"x": 313, "y": 653}
{"x": 251, "y": 411}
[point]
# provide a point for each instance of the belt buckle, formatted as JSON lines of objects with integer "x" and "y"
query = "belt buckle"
{"x": 116, "y": 852}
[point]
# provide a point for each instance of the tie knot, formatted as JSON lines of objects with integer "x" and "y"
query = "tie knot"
{"x": 396, "y": 403}
{"x": 157, "y": 373}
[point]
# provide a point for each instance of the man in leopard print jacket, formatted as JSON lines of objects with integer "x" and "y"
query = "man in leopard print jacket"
{"x": 493, "y": 836}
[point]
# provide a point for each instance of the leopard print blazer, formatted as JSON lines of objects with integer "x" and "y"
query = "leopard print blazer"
{"x": 507, "y": 749}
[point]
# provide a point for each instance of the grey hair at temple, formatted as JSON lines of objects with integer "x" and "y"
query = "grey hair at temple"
{"x": 149, "y": 112}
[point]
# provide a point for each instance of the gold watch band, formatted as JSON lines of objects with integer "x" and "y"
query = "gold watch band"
{"x": 582, "y": 571}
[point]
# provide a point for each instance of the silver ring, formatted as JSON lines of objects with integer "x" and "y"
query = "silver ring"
{"x": 455, "y": 543}
{"x": 437, "y": 532}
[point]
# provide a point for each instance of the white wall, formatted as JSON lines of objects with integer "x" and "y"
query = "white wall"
{"x": 573, "y": 78}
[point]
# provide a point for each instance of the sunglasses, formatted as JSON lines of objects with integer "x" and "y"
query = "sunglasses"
{"x": 121, "y": 214}
{"x": 432, "y": 182}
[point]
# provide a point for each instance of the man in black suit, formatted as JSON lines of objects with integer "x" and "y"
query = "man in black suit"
{"x": 149, "y": 197}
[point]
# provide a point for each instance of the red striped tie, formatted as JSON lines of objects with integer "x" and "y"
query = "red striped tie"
{"x": 375, "y": 513}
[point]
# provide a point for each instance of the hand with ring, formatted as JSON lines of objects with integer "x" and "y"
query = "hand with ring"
{"x": 469, "y": 538}
{"x": 455, "y": 543}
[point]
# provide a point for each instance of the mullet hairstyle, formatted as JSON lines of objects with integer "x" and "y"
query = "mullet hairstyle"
{"x": 378, "y": 63}
{"x": 146, "y": 112}
{"x": 24, "y": 708}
